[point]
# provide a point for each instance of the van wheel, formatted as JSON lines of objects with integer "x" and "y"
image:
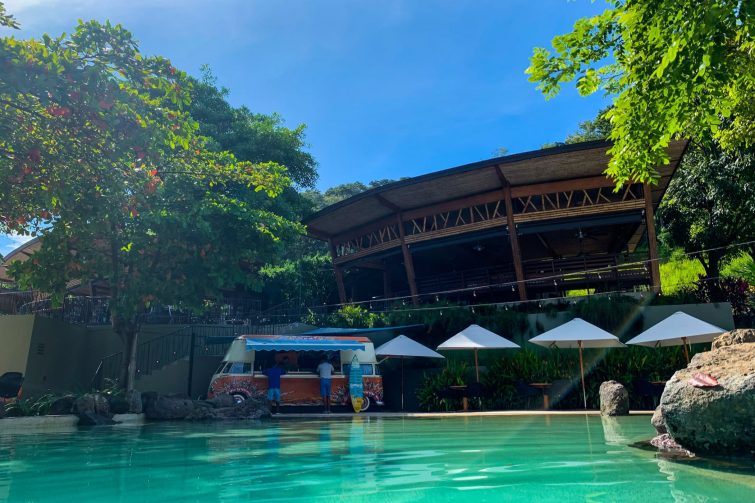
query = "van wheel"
{"x": 238, "y": 398}
{"x": 365, "y": 403}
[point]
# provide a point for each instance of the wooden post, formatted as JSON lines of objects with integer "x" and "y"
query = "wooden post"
{"x": 338, "y": 272}
{"x": 655, "y": 270}
{"x": 514, "y": 239}
{"x": 686, "y": 351}
{"x": 386, "y": 283}
{"x": 408, "y": 263}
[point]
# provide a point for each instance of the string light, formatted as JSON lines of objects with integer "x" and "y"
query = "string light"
{"x": 562, "y": 276}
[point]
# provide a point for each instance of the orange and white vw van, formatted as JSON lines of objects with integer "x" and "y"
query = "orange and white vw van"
{"x": 240, "y": 373}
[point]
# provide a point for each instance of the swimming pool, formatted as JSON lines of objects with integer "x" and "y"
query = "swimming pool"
{"x": 480, "y": 459}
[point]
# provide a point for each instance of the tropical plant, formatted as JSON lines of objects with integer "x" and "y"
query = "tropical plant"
{"x": 676, "y": 68}
{"x": 430, "y": 393}
{"x": 99, "y": 156}
{"x": 709, "y": 205}
{"x": 37, "y": 406}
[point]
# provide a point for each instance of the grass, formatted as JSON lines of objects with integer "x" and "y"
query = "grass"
{"x": 679, "y": 272}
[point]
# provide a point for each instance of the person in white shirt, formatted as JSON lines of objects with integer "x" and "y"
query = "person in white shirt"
{"x": 325, "y": 371}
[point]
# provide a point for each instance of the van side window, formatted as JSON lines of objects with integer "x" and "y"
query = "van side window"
{"x": 236, "y": 368}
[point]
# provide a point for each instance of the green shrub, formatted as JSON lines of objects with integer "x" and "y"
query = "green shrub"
{"x": 430, "y": 391}
{"x": 39, "y": 406}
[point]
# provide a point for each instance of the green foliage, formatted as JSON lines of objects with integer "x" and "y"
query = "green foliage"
{"x": 598, "y": 128}
{"x": 39, "y": 406}
{"x": 6, "y": 19}
{"x": 679, "y": 272}
{"x": 677, "y": 68}
{"x": 338, "y": 193}
{"x": 742, "y": 266}
{"x": 348, "y": 316}
{"x": 429, "y": 392}
{"x": 616, "y": 314}
{"x": 709, "y": 204}
{"x": 308, "y": 279}
{"x": 102, "y": 159}
{"x": 250, "y": 136}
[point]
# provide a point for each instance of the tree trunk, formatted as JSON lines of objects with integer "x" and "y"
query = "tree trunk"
{"x": 712, "y": 265}
{"x": 128, "y": 331}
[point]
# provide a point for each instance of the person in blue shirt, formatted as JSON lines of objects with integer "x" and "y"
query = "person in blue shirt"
{"x": 274, "y": 384}
{"x": 325, "y": 370}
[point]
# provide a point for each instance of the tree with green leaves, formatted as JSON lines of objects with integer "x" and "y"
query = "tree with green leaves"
{"x": 598, "y": 128}
{"x": 677, "y": 68}
{"x": 250, "y": 136}
{"x": 710, "y": 203}
{"x": 99, "y": 156}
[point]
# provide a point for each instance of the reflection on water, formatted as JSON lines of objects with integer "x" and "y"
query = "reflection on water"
{"x": 477, "y": 459}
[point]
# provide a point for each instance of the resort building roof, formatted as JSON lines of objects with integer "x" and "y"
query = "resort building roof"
{"x": 565, "y": 211}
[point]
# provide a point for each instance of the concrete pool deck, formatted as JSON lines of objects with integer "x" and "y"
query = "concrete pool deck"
{"x": 432, "y": 415}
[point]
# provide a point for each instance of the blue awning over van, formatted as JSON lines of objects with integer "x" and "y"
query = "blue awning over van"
{"x": 301, "y": 344}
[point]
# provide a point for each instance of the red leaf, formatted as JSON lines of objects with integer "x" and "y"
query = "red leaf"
{"x": 703, "y": 380}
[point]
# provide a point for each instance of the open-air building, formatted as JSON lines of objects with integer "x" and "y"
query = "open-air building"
{"x": 519, "y": 227}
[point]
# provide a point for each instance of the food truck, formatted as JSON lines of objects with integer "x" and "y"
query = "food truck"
{"x": 240, "y": 373}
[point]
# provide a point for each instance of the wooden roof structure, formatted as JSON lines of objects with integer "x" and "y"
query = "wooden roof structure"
{"x": 413, "y": 196}
{"x": 532, "y": 192}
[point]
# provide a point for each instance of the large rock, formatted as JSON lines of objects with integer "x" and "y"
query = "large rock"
{"x": 92, "y": 402}
{"x": 118, "y": 404}
{"x": 62, "y": 405}
{"x": 219, "y": 401}
{"x": 89, "y": 418}
{"x": 665, "y": 443}
{"x": 658, "y": 422}
{"x": 614, "y": 399}
{"x": 165, "y": 407}
{"x": 739, "y": 336}
{"x": 248, "y": 409}
{"x": 714, "y": 420}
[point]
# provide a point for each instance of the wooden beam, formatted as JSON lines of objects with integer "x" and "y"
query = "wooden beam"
{"x": 593, "y": 182}
{"x": 378, "y": 266}
{"x": 546, "y": 245}
{"x": 338, "y": 272}
{"x": 408, "y": 262}
{"x": 579, "y": 211}
{"x": 655, "y": 269}
{"x": 514, "y": 239}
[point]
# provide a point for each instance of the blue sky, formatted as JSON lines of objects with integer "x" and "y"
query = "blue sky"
{"x": 386, "y": 88}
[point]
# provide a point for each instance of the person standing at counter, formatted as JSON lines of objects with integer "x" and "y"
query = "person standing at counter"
{"x": 325, "y": 371}
{"x": 274, "y": 385}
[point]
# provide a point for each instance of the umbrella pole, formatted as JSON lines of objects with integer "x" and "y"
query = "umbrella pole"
{"x": 402, "y": 383}
{"x": 582, "y": 372}
{"x": 686, "y": 351}
{"x": 476, "y": 366}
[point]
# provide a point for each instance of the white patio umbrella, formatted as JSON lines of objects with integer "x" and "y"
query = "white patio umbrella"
{"x": 678, "y": 329}
{"x": 404, "y": 347}
{"x": 475, "y": 337}
{"x": 577, "y": 333}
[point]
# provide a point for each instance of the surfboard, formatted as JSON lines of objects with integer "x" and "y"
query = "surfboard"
{"x": 356, "y": 388}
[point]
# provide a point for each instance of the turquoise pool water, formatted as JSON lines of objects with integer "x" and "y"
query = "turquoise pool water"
{"x": 366, "y": 459}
